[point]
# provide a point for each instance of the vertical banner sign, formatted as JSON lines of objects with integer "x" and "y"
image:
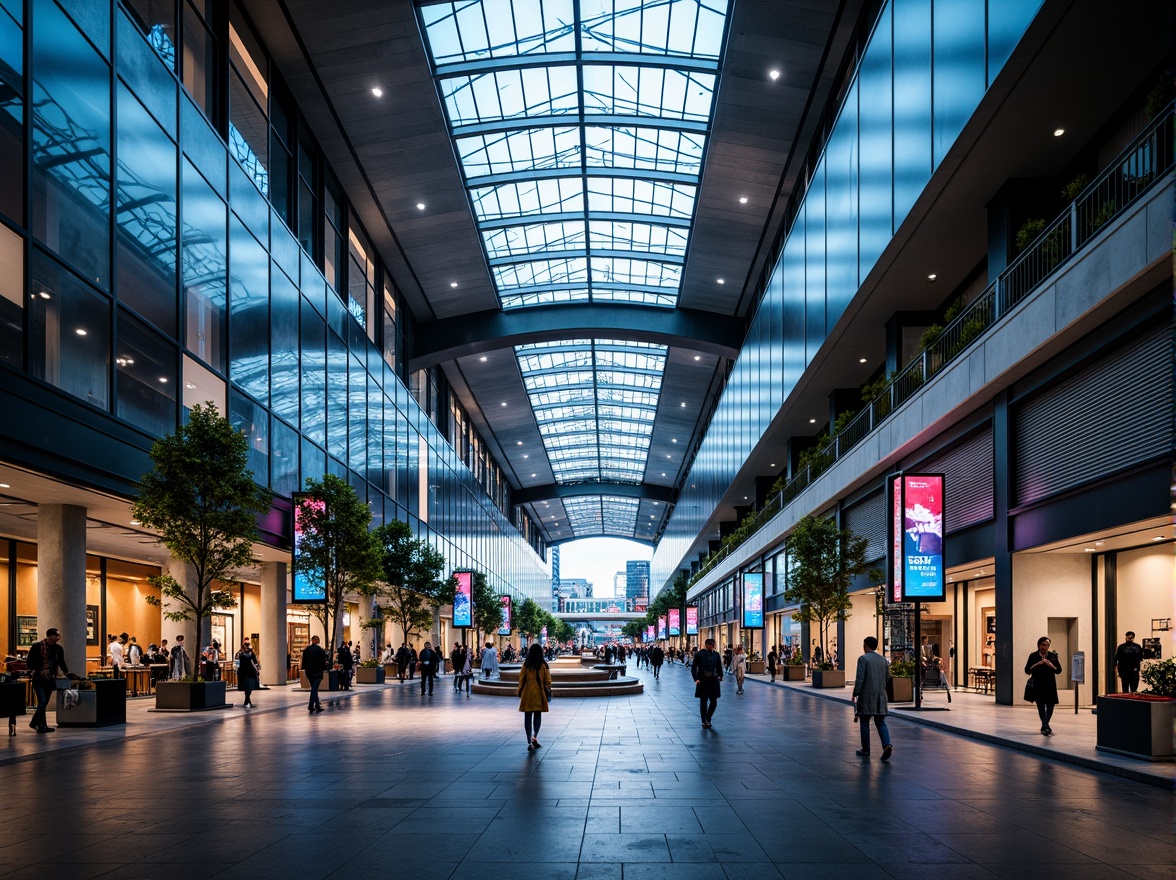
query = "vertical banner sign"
{"x": 894, "y": 562}
{"x": 504, "y": 630}
{"x": 661, "y": 627}
{"x": 649, "y": 633}
{"x": 674, "y": 619}
{"x": 917, "y": 538}
{"x": 753, "y": 600}
{"x": 462, "y": 609}
{"x": 691, "y": 620}
{"x": 304, "y": 590}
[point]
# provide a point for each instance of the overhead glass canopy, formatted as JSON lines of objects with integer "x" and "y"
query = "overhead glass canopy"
{"x": 581, "y": 128}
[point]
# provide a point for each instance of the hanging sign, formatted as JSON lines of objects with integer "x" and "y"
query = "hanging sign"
{"x": 649, "y": 633}
{"x": 304, "y": 590}
{"x": 915, "y": 565}
{"x": 504, "y": 630}
{"x": 462, "y": 608}
{"x": 661, "y": 627}
{"x": 753, "y": 600}
{"x": 675, "y": 621}
{"x": 691, "y": 620}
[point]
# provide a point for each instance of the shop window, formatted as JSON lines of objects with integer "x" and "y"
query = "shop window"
{"x": 145, "y": 195}
{"x": 71, "y": 146}
{"x": 12, "y": 116}
{"x": 201, "y": 68}
{"x": 204, "y": 248}
{"x": 69, "y": 333}
{"x": 202, "y": 386}
{"x": 145, "y": 384}
{"x": 156, "y": 20}
{"x": 11, "y": 297}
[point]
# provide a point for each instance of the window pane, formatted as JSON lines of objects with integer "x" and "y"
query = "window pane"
{"x": 248, "y": 133}
{"x": 204, "y": 248}
{"x": 11, "y": 297}
{"x": 156, "y": 19}
{"x": 11, "y": 119}
{"x": 284, "y": 463}
{"x": 313, "y": 394}
{"x": 958, "y": 69}
{"x": 283, "y": 346}
{"x": 337, "y": 396}
{"x": 146, "y": 215}
{"x": 71, "y": 146}
{"x": 912, "y": 103}
{"x": 200, "y": 63}
{"x": 252, "y": 420}
{"x": 145, "y": 377}
{"x": 249, "y": 313}
{"x": 69, "y": 333}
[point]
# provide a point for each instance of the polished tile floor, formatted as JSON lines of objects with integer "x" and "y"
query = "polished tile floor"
{"x": 390, "y": 784}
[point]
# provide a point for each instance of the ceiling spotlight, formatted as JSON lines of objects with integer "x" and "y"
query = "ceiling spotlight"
{"x": 668, "y": 455}
{"x": 420, "y": 206}
{"x": 163, "y": 380}
{"x": 674, "y": 440}
{"x": 482, "y": 358}
{"x": 518, "y": 443}
{"x": 663, "y": 473}
{"x": 189, "y": 385}
{"x": 812, "y": 421}
{"x": 932, "y": 277}
{"x": 453, "y": 284}
{"x": 698, "y": 357}
{"x": 526, "y": 456}
{"x": 861, "y": 360}
{"x": 720, "y": 281}
{"x": 44, "y": 294}
{"x": 1158, "y": 538}
{"x": 773, "y": 464}
{"x": 503, "y": 403}
{"x": 682, "y": 404}
{"x": 743, "y": 200}
{"x": 80, "y": 332}
{"x": 135, "y": 522}
{"x": 1058, "y": 132}
{"x": 5, "y": 486}
{"x": 532, "y": 475}
{"x": 378, "y": 92}
{"x": 773, "y": 75}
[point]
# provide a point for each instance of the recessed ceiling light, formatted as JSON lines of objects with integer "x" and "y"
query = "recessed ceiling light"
{"x": 453, "y": 284}
{"x": 861, "y": 360}
{"x": 773, "y": 464}
{"x": 932, "y": 277}
{"x": 773, "y": 75}
{"x": 44, "y": 294}
{"x": 482, "y": 358}
{"x": 526, "y": 456}
{"x": 163, "y": 380}
{"x": 1090, "y": 550}
{"x": 682, "y": 404}
{"x": 1058, "y": 132}
{"x": 698, "y": 357}
{"x": 504, "y": 403}
{"x": 532, "y": 475}
{"x": 4, "y": 486}
{"x": 420, "y": 206}
{"x": 1158, "y": 538}
{"x": 135, "y": 522}
{"x": 720, "y": 281}
{"x": 668, "y": 455}
{"x": 674, "y": 440}
{"x": 518, "y": 443}
{"x": 743, "y": 200}
{"x": 744, "y": 497}
{"x": 80, "y": 332}
{"x": 378, "y": 92}
{"x": 189, "y": 385}
{"x": 663, "y": 473}
{"x": 812, "y": 421}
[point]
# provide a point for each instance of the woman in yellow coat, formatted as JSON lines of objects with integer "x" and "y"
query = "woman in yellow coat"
{"x": 534, "y": 692}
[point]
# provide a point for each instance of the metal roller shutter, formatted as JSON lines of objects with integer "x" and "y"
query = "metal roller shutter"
{"x": 867, "y": 519}
{"x": 1112, "y": 415}
{"x": 968, "y": 472}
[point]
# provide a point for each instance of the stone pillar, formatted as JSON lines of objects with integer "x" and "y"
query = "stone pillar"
{"x": 184, "y": 574}
{"x": 273, "y": 624}
{"x": 61, "y": 579}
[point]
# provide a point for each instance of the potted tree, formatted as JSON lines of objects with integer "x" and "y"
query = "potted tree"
{"x": 370, "y": 672}
{"x": 755, "y": 663}
{"x": 1141, "y": 725}
{"x": 823, "y": 561}
{"x": 338, "y": 554}
{"x": 201, "y": 499}
{"x": 410, "y": 580}
{"x": 902, "y": 681}
{"x": 793, "y": 668}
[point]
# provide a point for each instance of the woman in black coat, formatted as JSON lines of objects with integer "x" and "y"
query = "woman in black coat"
{"x": 248, "y": 671}
{"x": 1043, "y": 667}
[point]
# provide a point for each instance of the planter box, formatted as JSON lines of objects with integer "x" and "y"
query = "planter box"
{"x": 12, "y": 698}
{"x": 330, "y": 681}
{"x": 901, "y": 690}
{"x": 792, "y": 673}
{"x": 828, "y": 678}
{"x": 101, "y": 707}
{"x": 190, "y": 696}
{"x": 369, "y": 675}
{"x": 756, "y": 667}
{"x": 391, "y": 670}
{"x": 1139, "y": 728}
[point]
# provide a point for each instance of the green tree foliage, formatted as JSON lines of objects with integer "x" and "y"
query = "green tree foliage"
{"x": 487, "y": 609}
{"x": 823, "y": 562}
{"x": 564, "y": 631}
{"x": 338, "y": 552}
{"x": 201, "y": 499}
{"x": 634, "y": 629}
{"x": 529, "y": 618}
{"x": 408, "y": 609}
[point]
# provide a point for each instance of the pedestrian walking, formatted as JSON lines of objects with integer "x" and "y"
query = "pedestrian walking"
{"x": 773, "y": 659}
{"x": 707, "y": 671}
{"x": 181, "y": 663}
{"x": 869, "y": 697}
{"x": 314, "y": 664}
{"x": 739, "y": 662}
{"x": 1128, "y": 659}
{"x": 248, "y": 672}
{"x": 656, "y": 657}
{"x": 402, "y": 660}
{"x": 490, "y": 661}
{"x": 534, "y": 692}
{"x": 1043, "y": 667}
{"x": 429, "y": 660}
{"x": 45, "y": 661}
{"x": 346, "y": 661}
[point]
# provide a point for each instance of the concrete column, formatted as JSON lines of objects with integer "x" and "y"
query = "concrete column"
{"x": 273, "y": 624}
{"x": 61, "y": 579}
{"x": 184, "y": 574}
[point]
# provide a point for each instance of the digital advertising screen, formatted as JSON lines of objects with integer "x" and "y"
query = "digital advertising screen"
{"x": 691, "y": 620}
{"x": 543, "y": 634}
{"x": 916, "y": 525}
{"x": 674, "y": 621}
{"x": 463, "y": 610}
{"x": 894, "y": 562}
{"x": 661, "y": 627}
{"x": 504, "y": 630}
{"x": 303, "y": 590}
{"x": 753, "y": 600}
{"x": 650, "y": 635}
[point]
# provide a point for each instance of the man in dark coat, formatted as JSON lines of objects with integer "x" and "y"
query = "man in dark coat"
{"x": 869, "y": 696}
{"x": 656, "y": 658}
{"x": 707, "y": 671}
{"x": 429, "y": 660}
{"x": 346, "y": 661}
{"x": 46, "y": 659}
{"x": 402, "y": 660}
{"x": 1128, "y": 660}
{"x": 314, "y": 664}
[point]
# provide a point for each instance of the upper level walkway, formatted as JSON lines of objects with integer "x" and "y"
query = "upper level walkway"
{"x": 387, "y": 782}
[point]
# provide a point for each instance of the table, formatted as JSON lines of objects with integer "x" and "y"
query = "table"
{"x": 982, "y": 677}
{"x": 138, "y": 678}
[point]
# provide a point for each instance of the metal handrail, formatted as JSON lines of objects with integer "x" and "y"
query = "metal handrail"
{"x": 1148, "y": 158}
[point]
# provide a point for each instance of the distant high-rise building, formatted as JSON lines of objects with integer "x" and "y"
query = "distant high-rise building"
{"x": 620, "y": 584}
{"x": 575, "y": 588}
{"x": 636, "y": 579}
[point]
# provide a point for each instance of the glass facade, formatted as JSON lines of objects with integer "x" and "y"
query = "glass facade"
{"x": 921, "y": 76}
{"x": 230, "y": 269}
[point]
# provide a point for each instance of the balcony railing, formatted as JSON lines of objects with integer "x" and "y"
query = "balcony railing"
{"x": 1147, "y": 159}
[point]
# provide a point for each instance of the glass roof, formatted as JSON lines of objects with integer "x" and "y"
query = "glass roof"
{"x": 580, "y": 127}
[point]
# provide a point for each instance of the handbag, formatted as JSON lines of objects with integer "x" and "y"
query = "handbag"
{"x": 1029, "y": 690}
